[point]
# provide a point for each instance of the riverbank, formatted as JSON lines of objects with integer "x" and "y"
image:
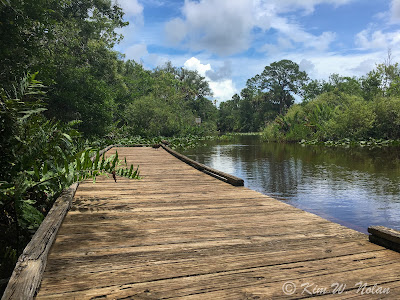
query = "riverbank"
{"x": 372, "y": 143}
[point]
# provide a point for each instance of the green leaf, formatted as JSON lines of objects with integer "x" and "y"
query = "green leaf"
{"x": 115, "y": 160}
{"x": 68, "y": 137}
{"x": 96, "y": 160}
{"x": 130, "y": 171}
{"x": 36, "y": 170}
{"x": 87, "y": 163}
{"x": 28, "y": 113}
{"x": 78, "y": 164}
{"x": 45, "y": 168}
{"x": 102, "y": 162}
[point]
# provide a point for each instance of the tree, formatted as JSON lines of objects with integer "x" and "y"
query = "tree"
{"x": 193, "y": 85}
{"x": 70, "y": 44}
{"x": 34, "y": 33}
{"x": 283, "y": 79}
{"x": 337, "y": 83}
{"x": 264, "y": 97}
{"x": 344, "y": 84}
{"x": 229, "y": 115}
{"x": 383, "y": 81}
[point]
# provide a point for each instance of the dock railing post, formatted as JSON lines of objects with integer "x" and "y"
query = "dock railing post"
{"x": 386, "y": 237}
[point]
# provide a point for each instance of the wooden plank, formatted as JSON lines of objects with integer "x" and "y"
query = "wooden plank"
{"x": 258, "y": 283}
{"x": 139, "y": 237}
{"x": 247, "y": 266}
{"x": 249, "y": 255}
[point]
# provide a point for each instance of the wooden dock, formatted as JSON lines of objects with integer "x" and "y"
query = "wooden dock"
{"x": 179, "y": 233}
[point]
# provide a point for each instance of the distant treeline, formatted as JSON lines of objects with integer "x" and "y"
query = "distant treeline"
{"x": 70, "y": 45}
{"x": 341, "y": 108}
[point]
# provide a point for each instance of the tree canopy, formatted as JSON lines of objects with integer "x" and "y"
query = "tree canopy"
{"x": 265, "y": 96}
{"x": 70, "y": 45}
{"x": 282, "y": 79}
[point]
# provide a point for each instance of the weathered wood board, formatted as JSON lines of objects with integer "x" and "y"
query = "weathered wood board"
{"x": 179, "y": 233}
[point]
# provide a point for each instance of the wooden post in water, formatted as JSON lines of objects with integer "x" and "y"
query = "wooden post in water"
{"x": 236, "y": 181}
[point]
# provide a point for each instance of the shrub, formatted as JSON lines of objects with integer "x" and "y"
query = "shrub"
{"x": 387, "y": 122}
{"x": 353, "y": 120}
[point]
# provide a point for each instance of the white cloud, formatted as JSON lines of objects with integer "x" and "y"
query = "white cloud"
{"x": 225, "y": 27}
{"x": 131, "y": 7}
{"x": 136, "y": 52}
{"x": 194, "y": 64}
{"x": 364, "y": 67}
{"x": 306, "y": 65}
{"x": 326, "y": 64}
{"x": 223, "y": 90}
{"x": 296, "y": 34}
{"x": 274, "y": 49}
{"x": 369, "y": 39}
{"x": 395, "y": 10}
{"x": 175, "y": 31}
{"x": 222, "y": 73}
{"x": 222, "y": 87}
{"x": 283, "y": 6}
{"x": 220, "y": 26}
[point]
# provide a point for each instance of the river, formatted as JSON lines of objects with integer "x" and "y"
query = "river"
{"x": 355, "y": 187}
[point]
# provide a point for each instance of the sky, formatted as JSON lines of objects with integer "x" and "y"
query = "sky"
{"x": 230, "y": 41}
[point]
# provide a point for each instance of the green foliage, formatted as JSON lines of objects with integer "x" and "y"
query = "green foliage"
{"x": 89, "y": 89}
{"x": 70, "y": 44}
{"x": 387, "y": 122}
{"x": 282, "y": 79}
{"x": 345, "y": 111}
{"x": 148, "y": 116}
{"x": 190, "y": 83}
{"x": 289, "y": 127}
{"x": 383, "y": 81}
{"x": 264, "y": 97}
{"x": 354, "y": 119}
{"x": 229, "y": 115}
{"x": 346, "y": 142}
{"x": 162, "y": 102}
{"x": 336, "y": 84}
{"x": 336, "y": 116}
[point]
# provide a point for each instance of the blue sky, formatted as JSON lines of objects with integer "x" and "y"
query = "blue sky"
{"x": 229, "y": 41}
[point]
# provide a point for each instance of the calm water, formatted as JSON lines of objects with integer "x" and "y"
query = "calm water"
{"x": 353, "y": 187}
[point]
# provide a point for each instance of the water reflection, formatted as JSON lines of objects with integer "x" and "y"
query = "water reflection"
{"x": 354, "y": 187}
